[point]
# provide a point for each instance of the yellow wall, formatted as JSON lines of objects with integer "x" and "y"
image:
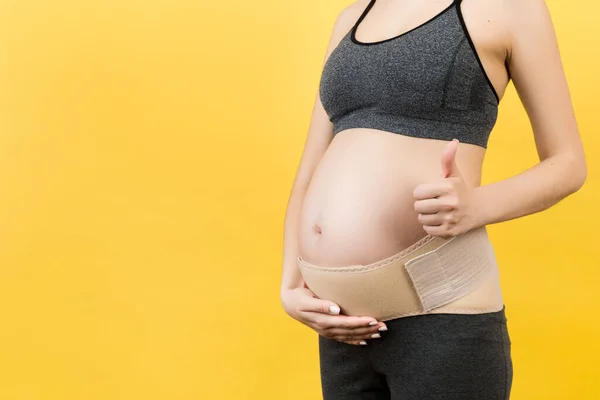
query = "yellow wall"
{"x": 146, "y": 153}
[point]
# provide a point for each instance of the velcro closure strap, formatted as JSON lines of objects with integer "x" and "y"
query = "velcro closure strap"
{"x": 452, "y": 270}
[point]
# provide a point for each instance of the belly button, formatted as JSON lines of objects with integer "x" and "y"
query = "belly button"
{"x": 317, "y": 229}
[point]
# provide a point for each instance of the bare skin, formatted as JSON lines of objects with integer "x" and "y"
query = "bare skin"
{"x": 368, "y": 193}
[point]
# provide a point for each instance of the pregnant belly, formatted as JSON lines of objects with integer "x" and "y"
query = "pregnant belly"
{"x": 359, "y": 205}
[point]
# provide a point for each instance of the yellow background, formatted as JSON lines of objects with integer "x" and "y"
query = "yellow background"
{"x": 147, "y": 149}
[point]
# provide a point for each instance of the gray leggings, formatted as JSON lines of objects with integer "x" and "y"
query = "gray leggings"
{"x": 425, "y": 357}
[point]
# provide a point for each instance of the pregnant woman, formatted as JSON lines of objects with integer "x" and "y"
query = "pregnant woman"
{"x": 386, "y": 253}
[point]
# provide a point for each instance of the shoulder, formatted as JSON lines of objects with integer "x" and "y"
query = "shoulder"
{"x": 522, "y": 10}
{"x": 529, "y": 25}
{"x": 508, "y": 22}
{"x": 508, "y": 13}
{"x": 344, "y": 22}
{"x": 522, "y": 17}
{"x": 348, "y": 15}
{"x": 507, "y": 10}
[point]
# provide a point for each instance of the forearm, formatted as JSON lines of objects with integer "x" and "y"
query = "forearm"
{"x": 291, "y": 277}
{"x": 531, "y": 191}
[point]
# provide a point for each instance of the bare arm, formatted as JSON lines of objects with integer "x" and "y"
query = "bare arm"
{"x": 320, "y": 134}
{"x": 299, "y": 302}
{"x": 537, "y": 72}
{"x": 449, "y": 207}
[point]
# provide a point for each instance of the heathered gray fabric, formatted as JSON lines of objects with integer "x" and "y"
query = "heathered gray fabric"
{"x": 425, "y": 357}
{"x": 427, "y": 83}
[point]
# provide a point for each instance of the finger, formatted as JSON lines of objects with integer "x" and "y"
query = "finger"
{"x": 323, "y": 321}
{"x": 431, "y": 219}
{"x": 431, "y": 206}
{"x": 360, "y": 333}
{"x": 441, "y": 231}
{"x": 345, "y": 338}
{"x": 314, "y": 304}
{"x": 449, "y": 167}
{"x": 356, "y": 342}
{"x": 431, "y": 190}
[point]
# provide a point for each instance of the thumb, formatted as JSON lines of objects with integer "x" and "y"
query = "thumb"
{"x": 449, "y": 167}
{"x": 314, "y": 304}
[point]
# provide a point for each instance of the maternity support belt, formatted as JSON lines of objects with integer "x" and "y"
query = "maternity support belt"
{"x": 433, "y": 275}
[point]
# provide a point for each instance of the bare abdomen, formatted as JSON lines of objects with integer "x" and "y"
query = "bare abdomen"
{"x": 359, "y": 206}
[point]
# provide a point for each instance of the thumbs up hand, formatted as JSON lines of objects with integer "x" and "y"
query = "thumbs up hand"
{"x": 444, "y": 206}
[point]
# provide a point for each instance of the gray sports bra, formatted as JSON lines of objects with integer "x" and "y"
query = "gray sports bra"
{"x": 427, "y": 82}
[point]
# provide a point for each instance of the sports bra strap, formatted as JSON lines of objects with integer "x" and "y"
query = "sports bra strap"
{"x": 364, "y": 14}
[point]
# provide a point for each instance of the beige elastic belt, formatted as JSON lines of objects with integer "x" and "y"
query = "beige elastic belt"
{"x": 434, "y": 275}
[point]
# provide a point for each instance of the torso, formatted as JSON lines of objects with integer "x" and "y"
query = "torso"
{"x": 359, "y": 206}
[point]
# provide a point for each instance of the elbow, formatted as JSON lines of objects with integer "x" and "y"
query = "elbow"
{"x": 582, "y": 177}
{"x": 576, "y": 172}
{"x": 580, "y": 180}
